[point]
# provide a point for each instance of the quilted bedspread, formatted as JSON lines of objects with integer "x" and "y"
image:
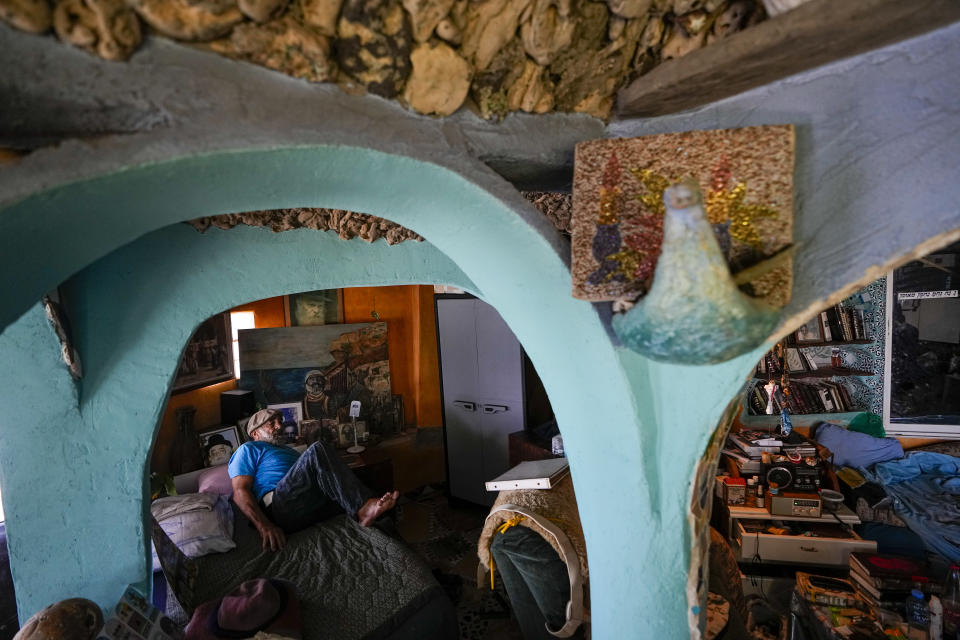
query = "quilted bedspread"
{"x": 353, "y": 582}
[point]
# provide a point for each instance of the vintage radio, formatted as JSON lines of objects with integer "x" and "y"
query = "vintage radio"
{"x": 792, "y": 503}
{"x": 793, "y": 476}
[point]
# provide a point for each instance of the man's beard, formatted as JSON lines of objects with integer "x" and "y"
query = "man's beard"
{"x": 273, "y": 438}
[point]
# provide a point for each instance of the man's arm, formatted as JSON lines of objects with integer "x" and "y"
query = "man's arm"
{"x": 243, "y": 497}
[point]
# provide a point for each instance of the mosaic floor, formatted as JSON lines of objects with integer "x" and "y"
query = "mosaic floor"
{"x": 447, "y": 538}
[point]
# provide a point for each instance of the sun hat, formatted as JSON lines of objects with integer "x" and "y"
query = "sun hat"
{"x": 259, "y": 419}
{"x": 262, "y": 604}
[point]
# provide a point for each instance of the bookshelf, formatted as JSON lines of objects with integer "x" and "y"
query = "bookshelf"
{"x": 859, "y": 368}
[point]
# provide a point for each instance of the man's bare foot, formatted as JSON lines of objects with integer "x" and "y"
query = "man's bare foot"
{"x": 376, "y": 507}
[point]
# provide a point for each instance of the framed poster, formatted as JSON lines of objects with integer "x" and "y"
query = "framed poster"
{"x": 208, "y": 357}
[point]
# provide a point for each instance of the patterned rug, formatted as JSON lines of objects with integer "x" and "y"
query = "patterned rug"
{"x": 446, "y": 537}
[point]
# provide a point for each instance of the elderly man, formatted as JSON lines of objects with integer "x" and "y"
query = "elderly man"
{"x": 282, "y": 491}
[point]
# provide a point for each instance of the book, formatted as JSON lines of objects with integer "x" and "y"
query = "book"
{"x": 885, "y": 572}
{"x": 532, "y": 474}
{"x": 827, "y": 335}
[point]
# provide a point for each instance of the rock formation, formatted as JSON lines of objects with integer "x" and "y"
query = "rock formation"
{"x": 34, "y": 16}
{"x": 439, "y": 81}
{"x": 505, "y": 55}
{"x": 107, "y": 28}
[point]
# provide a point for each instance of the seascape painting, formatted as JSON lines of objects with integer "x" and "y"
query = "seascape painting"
{"x": 324, "y": 367}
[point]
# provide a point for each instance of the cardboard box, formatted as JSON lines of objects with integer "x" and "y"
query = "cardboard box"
{"x": 735, "y": 490}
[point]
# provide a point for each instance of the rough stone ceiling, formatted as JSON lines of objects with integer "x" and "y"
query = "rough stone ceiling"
{"x": 497, "y": 56}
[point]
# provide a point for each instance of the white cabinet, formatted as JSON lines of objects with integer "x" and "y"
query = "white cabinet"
{"x": 481, "y": 367}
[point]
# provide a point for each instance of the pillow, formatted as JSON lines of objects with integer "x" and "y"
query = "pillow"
{"x": 857, "y": 450}
{"x": 215, "y": 480}
{"x": 198, "y": 523}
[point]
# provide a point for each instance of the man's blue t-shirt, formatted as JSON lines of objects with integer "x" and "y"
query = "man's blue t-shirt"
{"x": 267, "y": 463}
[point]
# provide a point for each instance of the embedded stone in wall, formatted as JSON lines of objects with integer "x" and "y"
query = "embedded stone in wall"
{"x": 532, "y": 91}
{"x": 34, "y": 16}
{"x": 347, "y": 224}
{"x": 284, "y": 45}
{"x": 489, "y": 88}
{"x": 489, "y": 26}
{"x": 107, "y": 28}
{"x": 261, "y": 10}
{"x": 589, "y": 72}
{"x": 374, "y": 44}
{"x": 321, "y": 15}
{"x": 629, "y": 8}
{"x": 557, "y": 207}
{"x": 448, "y": 31}
{"x": 425, "y": 15}
{"x": 547, "y": 29}
{"x": 439, "y": 81}
{"x": 190, "y": 20}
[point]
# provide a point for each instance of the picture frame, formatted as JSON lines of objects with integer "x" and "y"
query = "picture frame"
{"x": 313, "y": 308}
{"x": 292, "y": 417}
{"x": 346, "y": 435}
{"x": 330, "y": 433}
{"x": 810, "y": 332}
{"x": 207, "y": 357}
{"x": 214, "y": 444}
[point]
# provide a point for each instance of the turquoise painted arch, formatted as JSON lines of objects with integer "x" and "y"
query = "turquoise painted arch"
{"x": 76, "y": 509}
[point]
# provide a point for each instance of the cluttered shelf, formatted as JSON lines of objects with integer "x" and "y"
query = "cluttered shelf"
{"x": 827, "y": 372}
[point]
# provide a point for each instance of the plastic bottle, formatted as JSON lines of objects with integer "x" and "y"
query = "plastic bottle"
{"x": 951, "y": 604}
{"x": 918, "y": 614}
{"x": 936, "y": 618}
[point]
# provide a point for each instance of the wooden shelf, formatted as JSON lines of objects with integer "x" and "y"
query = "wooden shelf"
{"x": 798, "y": 419}
{"x": 826, "y": 372}
{"x": 833, "y": 343}
{"x": 814, "y": 34}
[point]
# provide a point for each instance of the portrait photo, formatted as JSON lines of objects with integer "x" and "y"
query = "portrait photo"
{"x": 218, "y": 445}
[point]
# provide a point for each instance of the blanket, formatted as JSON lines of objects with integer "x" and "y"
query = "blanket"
{"x": 925, "y": 489}
{"x": 353, "y": 582}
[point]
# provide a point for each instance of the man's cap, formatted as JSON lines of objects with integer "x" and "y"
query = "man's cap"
{"x": 259, "y": 419}
{"x": 261, "y": 604}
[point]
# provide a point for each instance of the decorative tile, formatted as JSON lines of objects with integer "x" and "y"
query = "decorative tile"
{"x": 747, "y": 179}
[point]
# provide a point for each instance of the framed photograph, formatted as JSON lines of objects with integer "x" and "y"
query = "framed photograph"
{"x": 218, "y": 445}
{"x": 346, "y": 435}
{"x": 312, "y": 308}
{"x": 208, "y": 357}
{"x": 811, "y": 331}
{"x": 795, "y": 361}
{"x": 330, "y": 432}
{"x": 292, "y": 417}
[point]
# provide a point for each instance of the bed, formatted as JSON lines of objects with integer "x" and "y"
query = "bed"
{"x": 917, "y": 490}
{"x": 353, "y": 582}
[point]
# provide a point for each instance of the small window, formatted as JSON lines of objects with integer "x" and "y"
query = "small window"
{"x": 240, "y": 320}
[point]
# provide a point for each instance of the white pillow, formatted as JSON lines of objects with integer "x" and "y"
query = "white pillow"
{"x": 198, "y": 523}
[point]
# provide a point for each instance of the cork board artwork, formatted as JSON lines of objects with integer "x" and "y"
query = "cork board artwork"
{"x": 746, "y": 176}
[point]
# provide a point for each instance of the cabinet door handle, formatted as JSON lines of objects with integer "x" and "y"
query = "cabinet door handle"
{"x": 495, "y": 408}
{"x": 810, "y": 549}
{"x": 466, "y": 406}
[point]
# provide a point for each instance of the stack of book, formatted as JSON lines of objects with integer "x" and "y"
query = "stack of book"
{"x": 746, "y": 448}
{"x": 821, "y": 396}
{"x": 885, "y": 581}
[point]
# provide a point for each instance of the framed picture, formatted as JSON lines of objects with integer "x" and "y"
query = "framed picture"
{"x": 292, "y": 417}
{"x": 218, "y": 445}
{"x": 330, "y": 431}
{"x": 811, "y": 331}
{"x": 208, "y": 357}
{"x": 312, "y": 308}
{"x": 346, "y": 435}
